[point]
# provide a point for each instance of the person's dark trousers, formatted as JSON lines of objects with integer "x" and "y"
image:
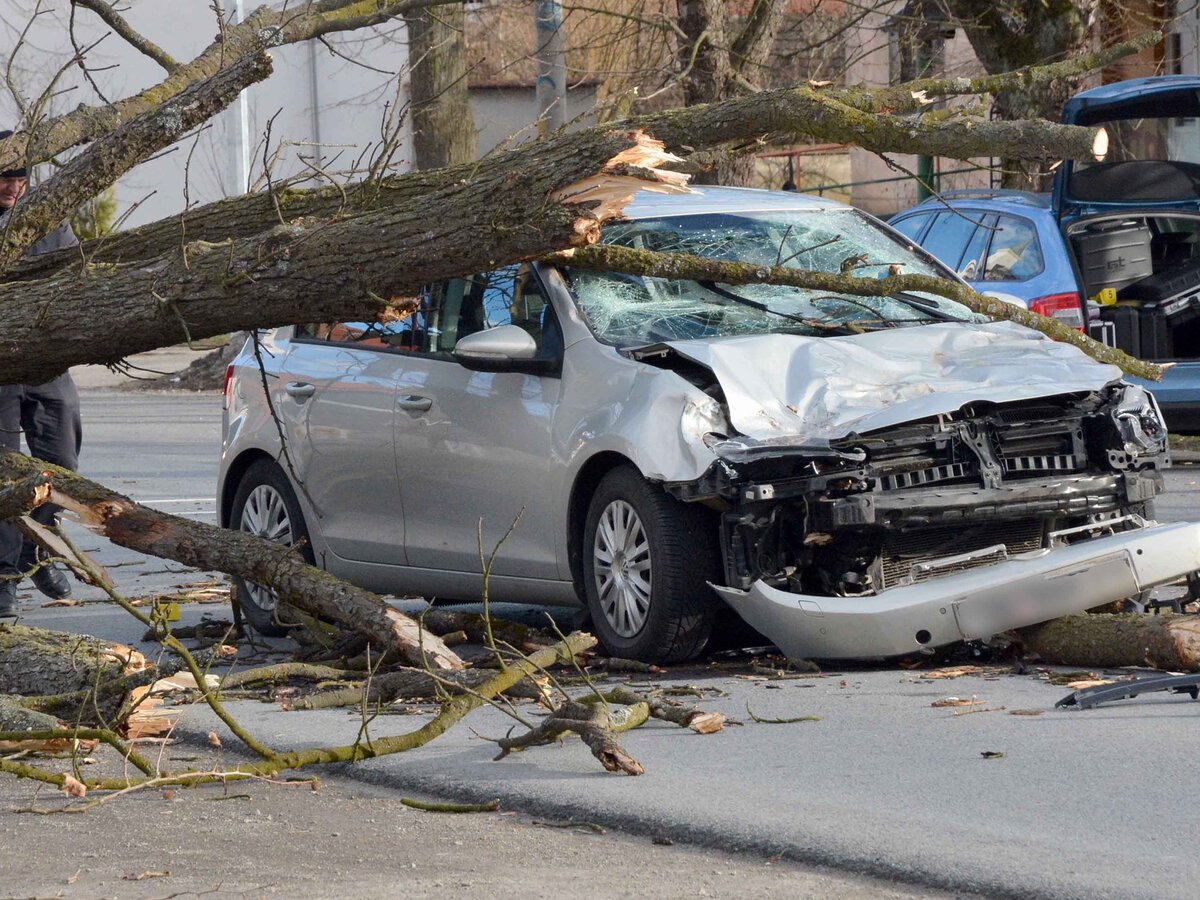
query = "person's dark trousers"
{"x": 53, "y": 432}
{"x": 10, "y": 439}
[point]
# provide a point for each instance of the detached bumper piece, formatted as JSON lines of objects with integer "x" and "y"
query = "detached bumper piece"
{"x": 976, "y": 604}
{"x": 1086, "y": 698}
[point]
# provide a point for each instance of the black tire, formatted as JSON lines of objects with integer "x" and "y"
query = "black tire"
{"x": 257, "y": 605}
{"x": 681, "y": 546}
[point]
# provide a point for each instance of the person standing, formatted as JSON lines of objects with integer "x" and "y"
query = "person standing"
{"x": 48, "y": 415}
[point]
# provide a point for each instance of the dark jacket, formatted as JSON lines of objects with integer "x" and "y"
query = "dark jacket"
{"x": 60, "y": 238}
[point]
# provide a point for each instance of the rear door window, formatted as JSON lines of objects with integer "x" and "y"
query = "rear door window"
{"x": 949, "y": 235}
{"x": 911, "y": 226}
{"x": 1014, "y": 254}
{"x": 970, "y": 267}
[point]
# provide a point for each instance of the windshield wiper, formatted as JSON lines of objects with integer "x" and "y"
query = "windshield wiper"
{"x": 923, "y": 305}
{"x": 762, "y": 307}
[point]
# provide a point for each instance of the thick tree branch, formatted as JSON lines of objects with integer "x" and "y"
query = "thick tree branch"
{"x": 611, "y": 258}
{"x": 901, "y": 97}
{"x": 803, "y": 110}
{"x": 323, "y": 271}
{"x": 263, "y": 29}
{"x": 139, "y": 42}
{"x": 110, "y": 157}
{"x": 203, "y": 546}
{"x": 693, "y": 129}
{"x": 20, "y": 497}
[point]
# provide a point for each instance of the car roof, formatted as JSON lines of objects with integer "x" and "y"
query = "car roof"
{"x": 703, "y": 199}
{"x": 987, "y": 198}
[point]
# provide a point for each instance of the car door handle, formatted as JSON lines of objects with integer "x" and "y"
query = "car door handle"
{"x": 414, "y": 403}
{"x": 300, "y": 389}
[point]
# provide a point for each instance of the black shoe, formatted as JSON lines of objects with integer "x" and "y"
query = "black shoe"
{"x": 50, "y": 580}
{"x": 8, "y": 599}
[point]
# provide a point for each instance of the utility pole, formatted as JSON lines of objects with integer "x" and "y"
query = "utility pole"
{"x": 239, "y": 146}
{"x": 551, "y": 68}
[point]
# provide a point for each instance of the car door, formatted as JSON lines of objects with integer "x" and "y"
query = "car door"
{"x": 338, "y": 404}
{"x": 474, "y": 445}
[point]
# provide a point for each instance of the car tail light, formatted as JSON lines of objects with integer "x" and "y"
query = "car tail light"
{"x": 1064, "y": 307}
{"x": 227, "y": 387}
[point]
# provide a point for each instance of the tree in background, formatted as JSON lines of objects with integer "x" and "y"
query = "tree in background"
{"x": 97, "y": 216}
{"x": 440, "y": 105}
{"x": 1013, "y": 34}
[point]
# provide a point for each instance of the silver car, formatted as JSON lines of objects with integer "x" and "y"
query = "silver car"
{"x": 855, "y": 477}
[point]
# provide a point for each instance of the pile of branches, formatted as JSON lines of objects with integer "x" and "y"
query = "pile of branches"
{"x": 66, "y": 695}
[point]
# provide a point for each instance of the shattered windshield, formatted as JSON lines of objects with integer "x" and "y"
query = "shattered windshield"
{"x": 629, "y": 310}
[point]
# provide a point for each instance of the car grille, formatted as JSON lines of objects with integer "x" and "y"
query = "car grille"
{"x": 1025, "y": 442}
{"x": 1033, "y": 448}
{"x": 904, "y": 549}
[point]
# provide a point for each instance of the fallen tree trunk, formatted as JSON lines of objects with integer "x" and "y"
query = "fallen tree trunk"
{"x": 37, "y": 661}
{"x": 853, "y": 115}
{"x": 1170, "y": 642}
{"x": 203, "y": 546}
{"x": 613, "y": 258}
{"x": 273, "y": 762}
{"x": 327, "y": 270}
{"x": 71, "y": 677}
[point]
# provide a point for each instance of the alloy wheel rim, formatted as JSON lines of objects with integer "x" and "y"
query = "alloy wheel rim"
{"x": 621, "y": 556}
{"x": 265, "y": 515}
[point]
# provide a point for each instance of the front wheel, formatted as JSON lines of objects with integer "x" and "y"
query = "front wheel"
{"x": 647, "y": 561}
{"x": 266, "y": 506}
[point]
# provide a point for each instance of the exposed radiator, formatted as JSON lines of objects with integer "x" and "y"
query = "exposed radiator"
{"x": 902, "y": 550}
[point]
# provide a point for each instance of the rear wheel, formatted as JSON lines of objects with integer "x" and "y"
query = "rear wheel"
{"x": 266, "y": 506}
{"x": 647, "y": 562}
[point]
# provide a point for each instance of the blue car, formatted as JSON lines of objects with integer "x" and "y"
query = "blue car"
{"x": 1115, "y": 246}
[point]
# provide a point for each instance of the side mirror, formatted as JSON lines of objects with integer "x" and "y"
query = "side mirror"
{"x": 505, "y": 348}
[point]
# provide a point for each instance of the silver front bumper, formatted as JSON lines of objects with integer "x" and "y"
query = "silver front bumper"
{"x": 973, "y": 605}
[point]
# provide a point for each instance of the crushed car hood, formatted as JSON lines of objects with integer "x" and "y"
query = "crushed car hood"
{"x": 791, "y": 389}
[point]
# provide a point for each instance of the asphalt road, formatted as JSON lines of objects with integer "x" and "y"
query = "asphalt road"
{"x": 1082, "y": 804}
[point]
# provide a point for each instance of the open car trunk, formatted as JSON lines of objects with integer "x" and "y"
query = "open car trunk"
{"x": 1131, "y": 219}
{"x": 1143, "y": 272}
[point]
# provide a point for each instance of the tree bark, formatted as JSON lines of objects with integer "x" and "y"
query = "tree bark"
{"x": 203, "y": 546}
{"x": 20, "y": 497}
{"x": 1167, "y": 642}
{"x": 443, "y": 126}
{"x": 717, "y": 61}
{"x": 71, "y": 677}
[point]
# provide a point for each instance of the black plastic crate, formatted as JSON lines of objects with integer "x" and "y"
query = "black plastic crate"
{"x": 1127, "y": 326}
